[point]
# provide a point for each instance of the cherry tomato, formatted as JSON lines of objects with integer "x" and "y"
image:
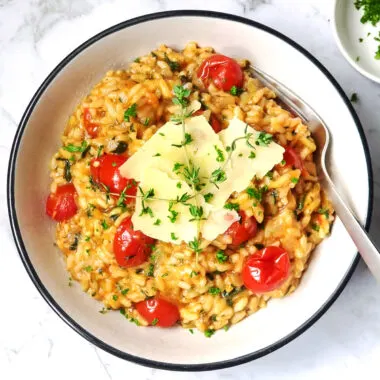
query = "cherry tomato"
{"x": 215, "y": 123}
{"x": 130, "y": 247}
{"x": 105, "y": 170}
{"x": 91, "y": 128}
{"x": 242, "y": 230}
{"x": 61, "y": 204}
{"x": 266, "y": 269}
{"x": 225, "y": 72}
{"x": 158, "y": 311}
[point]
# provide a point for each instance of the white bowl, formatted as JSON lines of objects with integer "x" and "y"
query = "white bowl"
{"x": 38, "y": 137}
{"x": 348, "y": 30}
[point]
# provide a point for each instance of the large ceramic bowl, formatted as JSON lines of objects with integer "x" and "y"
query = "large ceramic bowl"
{"x": 38, "y": 137}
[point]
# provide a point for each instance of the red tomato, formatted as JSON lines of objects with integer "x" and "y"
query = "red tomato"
{"x": 105, "y": 170}
{"x": 292, "y": 159}
{"x": 61, "y": 204}
{"x": 91, "y": 128}
{"x": 266, "y": 269}
{"x": 215, "y": 123}
{"x": 224, "y": 71}
{"x": 159, "y": 311}
{"x": 130, "y": 247}
{"x": 243, "y": 230}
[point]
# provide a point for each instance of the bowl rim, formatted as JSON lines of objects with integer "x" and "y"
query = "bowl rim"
{"x": 33, "y": 274}
{"x": 343, "y": 50}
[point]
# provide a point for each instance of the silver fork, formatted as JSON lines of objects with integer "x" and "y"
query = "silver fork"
{"x": 321, "y": 135}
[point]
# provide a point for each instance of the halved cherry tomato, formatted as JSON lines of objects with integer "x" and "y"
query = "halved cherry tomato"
{"x": 266, "y": 269}
{"x": 158, "y": 311}
{"x": 215, "y": 123}
{"x": 105, "y": 170}
{"x": 292, "y": 158}
{"x": 91, "y": 128}
{"x": 224, "y": 71}
{"x": 61, "y": 204}
{"x": 130, "y": 247}
{"x": 242, "y": 230}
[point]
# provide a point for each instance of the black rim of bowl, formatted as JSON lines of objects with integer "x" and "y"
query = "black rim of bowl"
{"x": 24, "y": 255}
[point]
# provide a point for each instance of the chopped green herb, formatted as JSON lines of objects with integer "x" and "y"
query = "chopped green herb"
{"x": 264, "y": 139}
{"x": 371, "y": 11}
{"x": 155, "y": 321}
{"x": 354, "y": 97}
{"x": 173, "y": 237}
{"x": 74, "y": 244}
{"x": 232, "y": 206}
{"x": 377, "y": 54}
{"x": 218, "y": 176}
{"x": 137, "y": 60}
{"x": 100, "y": 150}
{"x": 191, "y": 331}
{"x": 193, "y": 273}
{"x": 177, "y": 166}
{"x": 174, "y": 66}
{"x": 150, "y": 272}
{"x": 146, "y": 211}
{"x": 315, "y": 227}
{"x": 236, "y": 91}
{"x": 324, "y": 211}
{"x": 179, "y": 185}
{"x": 103, "y": 311}
{"x": 114, "y": 164}
{"x": 220, "y": 155}
{"x": 88, "y": 268}
{"x": 221, "y": 256}
{"x": 214, "y": 290}
{"x": 161, "y": 134}
{"x": 209, "y": 333}
{"x": 252, "y": 155}
{"x": 226, "y": 328}
{"x": 105, "y": 225}
{"x": 195, "y": 245}
{"x": 173, "y": 214}
{"x": 283, "y": 162}
{"x": 196, "y": 212}
{"x": 360, "y": 40}
{"x": 115, "y": 297}
{"x": 121, "y": 147}
{"x": 125, "y": 291}
{"x": 165, "y": 275}
{"x": 67, "y": 169}
{"x": 208, "y": 197}
{"x": 130, "y": 112}
{"x": 181, "y": 94}
{"x": 157, "y": 222}
{"x": 87, "y": 238}
{"x": 157, "y": 155}
{"x": 294, "y": 180}
{"x": 73, "y": 148}
{"x": 187, "y": 141}
{"x": 147, "y": 121}
{"x": 256, "y": 193}
{"x": 269, "y": 175}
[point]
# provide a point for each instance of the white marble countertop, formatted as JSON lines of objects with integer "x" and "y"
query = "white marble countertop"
{"x": 34, "y": 36}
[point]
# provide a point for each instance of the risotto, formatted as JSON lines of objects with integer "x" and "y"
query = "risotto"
{"x": 260, "y": 246}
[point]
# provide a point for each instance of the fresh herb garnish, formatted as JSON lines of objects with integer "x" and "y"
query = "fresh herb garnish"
{"x": 73, "y": 148}
{"x": 174, "y": 66}
{"x": 232, "y": 206}
{"x": 214, "y": 290}
{"x": 173, "y": 237}
{"x": 220, "y": 155}
{"x": 155, "y": 321}
{"x": 315, "y": 227}
{"x": 264, "y": 139}
{"x": 221, "y": 256}
{"x": 236, "y": 91}
{"x": 150, "y": 272}
{"x": 105, "y": 225}
{"x": 74, "y": 244}
{"x": 188, "y": 139}
{"x": 157, "y": 222}
{"x": 130, "y": 112}
{"x": 208, "y": 197}
{"x": 324, "y": 211}
{"x": 209, "y": 333}
{"x": 354, "y": 97}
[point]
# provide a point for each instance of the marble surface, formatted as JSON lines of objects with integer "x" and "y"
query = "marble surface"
{"x": 34, "y": 36}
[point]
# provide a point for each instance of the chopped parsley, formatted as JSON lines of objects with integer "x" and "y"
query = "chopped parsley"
{"x": 221, "y": 256}
{"x": 196, "y": 212}
{"x": 236, "y": 91}
{"x": 73, "y": 148}
{"x": 115, "y": 297}
{"x": 324, "y": 211}
{"x": 371, "y": 11}
{"x": 315, "y": 227}
{"x": 252, "y": 155}
{"x": 105, "y": 225}
{"x": 177, "y": 166}
{"x": 188, "y": 139}
{"x": 173, "y": 237}
{"x": 174, "y": 66}
{"x": 214, "y": 290}
{"x": 88, "y": 268}
{"x": 354, "y": 97}
{"x": 209, "y": 333}
{"x": 193, "y": 273}
{"x": 191, "y": 331}
{"x": 179, "y": 185}
{"x": 74, "y": 244}
{"x": 218, "y": 176}
{"x": 137, "y": 60}
{"x": 155, "y": 321}
{"x": 150, "y": 272}
{"x": 130, "y": 112}
{"x": 257, "y": 193}
{"x": 125, "y": 291}
{"x": 294, "y": 180}
{"x": 157, "y": 222}
{"x": 208, "y": 197}
{"x": 195, "y": 245}
{"x": 157, "y": 155}
{"x": 220, "y": 155}
{"x": 232, "y": 206}
{"x": 147, "y": 121}
{"x": 264, "y": 139}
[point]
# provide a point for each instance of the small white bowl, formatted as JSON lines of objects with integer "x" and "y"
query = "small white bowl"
{"x": 349, "y": 31}
{"x": 38, "y": 137}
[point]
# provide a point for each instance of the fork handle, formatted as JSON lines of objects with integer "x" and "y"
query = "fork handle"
{"x": 365, "y": 246}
